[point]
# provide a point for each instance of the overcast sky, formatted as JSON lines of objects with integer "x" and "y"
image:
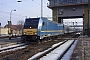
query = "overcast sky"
{"x": 29, "y": 8}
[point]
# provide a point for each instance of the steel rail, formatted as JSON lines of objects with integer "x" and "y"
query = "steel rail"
{"x": 1, "y": 37}
{"x": 12, "y": 47}
{"x": 47, "y": 52}
{"x": 43, "y": 54}
{"x": 65, "y": 51}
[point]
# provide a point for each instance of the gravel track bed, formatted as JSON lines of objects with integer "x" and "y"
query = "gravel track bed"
{"x": 29, "y": 51}
{"x": 82, "y": 50}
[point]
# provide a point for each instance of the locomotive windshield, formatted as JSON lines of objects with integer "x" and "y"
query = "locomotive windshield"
{"x": 31, "y": 23}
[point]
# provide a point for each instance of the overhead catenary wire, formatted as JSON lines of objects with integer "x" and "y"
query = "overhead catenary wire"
{"x": 12, "y": 14}
{"x": 13, "y": 2}
{"x": 41, "y": 6}
{"x": 36, "y": 2}
{"x": 1, "y": 3}
{"x": 6, "y": 3}
{"x": 43, "y": 2}
{"x": 10, "y": 7}
{"x": 24, "y": 0}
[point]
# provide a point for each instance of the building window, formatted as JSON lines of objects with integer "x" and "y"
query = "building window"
{"x": 60, "y": 11}
{"x": 74, "y": 9}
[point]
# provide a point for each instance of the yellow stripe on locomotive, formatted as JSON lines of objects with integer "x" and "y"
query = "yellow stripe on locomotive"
{"x": 30, "y": 31}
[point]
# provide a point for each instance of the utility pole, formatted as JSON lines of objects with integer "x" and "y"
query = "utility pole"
{"x": 11, "y": 21}
{"x": 41, "y": 8}
{"x": 0, "y": 29}
{"x": 88, "y": 17}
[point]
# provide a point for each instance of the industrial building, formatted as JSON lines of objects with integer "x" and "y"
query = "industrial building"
{"x": 65, "y": 9}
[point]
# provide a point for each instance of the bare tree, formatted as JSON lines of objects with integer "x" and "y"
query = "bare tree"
{"x": 20, "y": 24}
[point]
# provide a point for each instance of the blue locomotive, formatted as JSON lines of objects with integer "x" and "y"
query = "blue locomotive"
{"x": 36, "y": 29}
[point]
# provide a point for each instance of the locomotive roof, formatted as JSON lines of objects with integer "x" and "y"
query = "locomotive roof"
{"x": 46, "y": 18}
{"x": 31, "y": 18}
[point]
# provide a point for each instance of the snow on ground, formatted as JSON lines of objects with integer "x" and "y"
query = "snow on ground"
{"x": 57, "y": 52}
{"x": 44, "y": 51}
{"x": 68, "y": 54}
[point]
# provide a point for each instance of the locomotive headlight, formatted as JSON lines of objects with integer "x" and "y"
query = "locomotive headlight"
{"x": 35, "y": 33}
{"x": 24, "y": 33}
{"x": 30, "y": 27}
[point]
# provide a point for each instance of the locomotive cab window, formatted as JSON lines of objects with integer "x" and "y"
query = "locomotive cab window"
{"x": 31, "y": 23}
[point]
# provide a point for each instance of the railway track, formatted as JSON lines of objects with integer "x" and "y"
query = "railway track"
{"x": 27, "y": 52}
{"x": 5, "y": 42}
{"x": 12, "y": 48}
{"x": 9, "y": 36}
{"x": 48, "y": 54}
{"x": 24, "y": 54}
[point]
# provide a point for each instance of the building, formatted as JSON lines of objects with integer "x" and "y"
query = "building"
{"x": 13, "y": 29}
{"x": 63, "y": 9}
{"x": 4, "y": 31}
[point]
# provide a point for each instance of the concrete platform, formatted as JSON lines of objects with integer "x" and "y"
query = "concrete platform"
{"x": 82, "y": 49}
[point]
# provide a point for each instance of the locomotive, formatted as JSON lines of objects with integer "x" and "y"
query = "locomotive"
{"x": 37, "y": 29}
